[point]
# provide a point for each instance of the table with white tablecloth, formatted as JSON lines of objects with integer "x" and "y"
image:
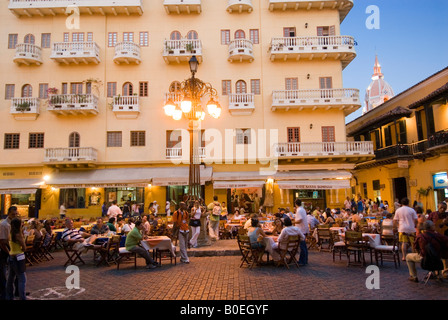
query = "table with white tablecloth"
{"x": 271, "y": 245}
{"x": 160, "y": 243}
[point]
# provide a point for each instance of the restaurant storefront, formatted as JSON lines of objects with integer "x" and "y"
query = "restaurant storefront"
{"x": 20, "y": 193}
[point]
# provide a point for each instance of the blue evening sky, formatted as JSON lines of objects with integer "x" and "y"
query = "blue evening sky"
{"x": 412, "y": 43}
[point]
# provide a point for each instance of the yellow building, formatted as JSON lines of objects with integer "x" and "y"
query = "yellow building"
{"x": 84, "y": 94}
{"x": 410, "y": 136}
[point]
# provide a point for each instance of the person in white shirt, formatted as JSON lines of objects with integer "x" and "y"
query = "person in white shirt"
{"x": 62, "y": 211}
{"x": 128, "y": 226}
{"x": 167, "y": 209}
{"x": 146, "y": 226}
{"x": 289, "y": 213}
{"x": 289, "y": 230}
{"x": 156, "y": 208}
{"x": 114, "y": 210}
{"x": 406, "y": 220}
{"x": 302, "y": 223}
{"x": 312, "y": 221}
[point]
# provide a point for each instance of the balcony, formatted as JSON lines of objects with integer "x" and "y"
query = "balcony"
{"x": 318, "y": 149}
{"x": 127, "y": 52}
{"x": 344, "y": 6}
{"x": 71, "y": 157}
{"x": 332, "y": 47}
{"x": 241, "y": 50}
{"x": 127, "y": 107}
{"x": 178, "y": 51}
{"x": 73, "y": 104}
{"x": 182, "y": 6}
{"x": 25, "y": 108}
{"x": 239, "y": 6}
{"x": 176, "y": 153}
{"x": 342, "y": 99}
{"x": 76, "y": 52}
{"x": 242, "y": 104}
{"x": 28, "y": 54}
{"x": 52, "y": 8}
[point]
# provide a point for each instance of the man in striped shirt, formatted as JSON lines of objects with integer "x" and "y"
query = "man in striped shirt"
{"x": 77, "y": 239}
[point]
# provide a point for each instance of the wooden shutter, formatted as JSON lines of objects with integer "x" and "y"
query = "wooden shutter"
{"x": 328, "y": 134}
{"x": 332, "y": 30}
{"x": 294, "y": 134}
{"x": 241, "y": 87}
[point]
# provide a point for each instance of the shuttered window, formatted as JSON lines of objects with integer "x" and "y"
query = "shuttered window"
{"x": 328, "y": 134}
{"x": 225, "y": 36}
{"x": 9, "y": 91}
{"x": 36, "y": 141}
{"x": 226, "y": 87}
{"x": 243, "y": 136}
{"x": 255, "y": 86}
{"x": 291, "y": 84}
{"x": 112, "y": 39}
{"x": 46, "y": 40}
{"x": 43, "y": 90}
{"x": 111, "y": 89}
{"x": 114, "y": 138}
{"x": 294, "y": 134}
{"x": 254, "y": 36}
{"x": 143, "y": 90}
{"x": 12, "y": 41}
{"x": 138, "y": 138}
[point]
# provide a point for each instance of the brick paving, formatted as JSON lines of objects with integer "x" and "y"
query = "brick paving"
{"x": 220, "y": 278}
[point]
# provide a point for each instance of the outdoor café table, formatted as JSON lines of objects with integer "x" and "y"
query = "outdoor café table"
{"x": 338, "y": 229}
{"x": 160, "y": 243}
{"x": 271, "y": 244}
{"x": 373, "y": 238}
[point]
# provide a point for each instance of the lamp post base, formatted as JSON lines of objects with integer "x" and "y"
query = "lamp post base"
{"x": 204, "y": 239}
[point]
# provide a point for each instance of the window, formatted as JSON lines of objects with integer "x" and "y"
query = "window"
{"x": 89, "y": 87}
{"x": 430, "y": 120}
{"x": 138, "y": 138}
{"x": 78, "y": 36}
{"x": 76, "y": 88}
{"x": 328, "y": 134}
{"x": 128, "y": 89}
{"x": 294, "y": 134}
{"x": 114, "y": 138}
{"x": 326, "y": 31}
{"x": 388, "y": 136}
{"x": 9, "y": 91}
{"x": 226, "y": 87}
{"x": 378, "y": 142}
{"x": 289, "y": 32}
{"x": 29, "y": 38}
{"x": 112, "y": 39}
{"x": 144, "y": 39}
{"x": 239, "y": 34}
{"x": 225, "y": 36}
{"x": 128, "y": 36}
{"x": 326, "y": 83}
{"x": 291, "y": 84}
{"x": 27, "y": 91}
{"x": 254, "y": 36}
{"x": 66, "y": 37}
{"x": 73, "y": 198}
{"x": 241, "y": 86}
{"x": 89, "y": 36}
{"x": 43, "y": 88}
{"x": 419, "y": 119}
{"x": 402, "y": 132}
{"x": 111, "y": 89}
{"x": 46, "y": 40}
{"x": 143, "y": 90}
{"x": 175, "y": 35}
{"x": 255, "y": 86}
{"x": 243, "y": 136}
{"x": 36, "y": 140}
{"x": 192, "y": 35}
{"x": 364, "y": 188}
{"x": 64, "y": 88}
{"x": 74, "y": 140}
{"x": 12, "y": 141}
{"x": 12, "y": 41}
{"x": 173, "y": 139}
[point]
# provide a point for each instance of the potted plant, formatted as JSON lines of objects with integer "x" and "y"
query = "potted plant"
{"x": 23, "y": 106}
{"x": 189, "y": 47}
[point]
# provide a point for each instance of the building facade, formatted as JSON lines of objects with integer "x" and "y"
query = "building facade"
{"x": 410, "y": 137}
{"x": 83, "y": 101}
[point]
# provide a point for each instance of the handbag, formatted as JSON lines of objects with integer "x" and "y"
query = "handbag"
{"x": 195, "y": 223}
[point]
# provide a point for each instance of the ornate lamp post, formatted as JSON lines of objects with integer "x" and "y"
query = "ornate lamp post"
{"x": 191, "y": 91}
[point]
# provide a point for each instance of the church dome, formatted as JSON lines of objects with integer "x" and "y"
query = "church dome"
{"x": 378, "y": 91}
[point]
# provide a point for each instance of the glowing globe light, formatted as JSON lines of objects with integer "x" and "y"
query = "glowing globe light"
{"x": 177, "y": 114}
{"x": 169, "y": 108}
{"x": 185, "y": 105}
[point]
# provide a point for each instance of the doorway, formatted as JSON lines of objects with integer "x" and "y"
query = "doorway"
{"x": 400, "y": 187}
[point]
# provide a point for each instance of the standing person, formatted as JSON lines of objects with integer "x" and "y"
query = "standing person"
{"x": 62, "y": 211}
{"x": 301, "y": 222}
{"x": 195, "y": 224}
{"x": 360, "y": 205}
{"x": 17, "y": 262}
{"x": 347, "y": 204}
{"x": 406, "y": 220}
{"x": 215, "y": 212}
{"x": 156, "y": 208}
{"x": 5, "y": 234}
{"x": 167, "y": 209}
{"x": 132, "y": 244}
{"x": 127, "y": 209}
{"x": 224, "y": 212}
{"x": 181, "y": 219}
{"x": 397, "y": 204}
{"x": 114, "y": 211}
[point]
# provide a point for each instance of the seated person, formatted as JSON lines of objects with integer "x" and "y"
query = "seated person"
{"x": 153, "y": 221}
{"x": 387, "y": 226}
{"x": 78, "y": 240}
{"x": 330, "y": 220}
{"x": 312, "y": 221}
{"x": 132, "y": 244}
{"x": 128, "y": 226}
{"x": 111, "y": 225}
{"x": 146, "y": 225}
{"x": 248, "y": 223}
{"x": 256, "y": 235}
{"x": 278, "y": 226}
{"x": 237, "y": 215}
{"x": 119, "y": 225}
{"x": 439, "y": 243}
{"x": 289, "y": 230}
{"x": 100, "y": 228}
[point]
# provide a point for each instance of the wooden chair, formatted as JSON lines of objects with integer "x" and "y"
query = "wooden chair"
{"x": 73, "y": 256}
{"x": 242, "y": 231}
{"x": 109, "y": 252}
{"x": 29, "y": 251}
{"x": 46, "y": 249}
{"x": 324, "y": 236}
{"x": 338, "y": 244}
{"x": 291, "y": 248}
{"x": 250, "y": 256}
{"x": 310, "y": 239}
{"x": 224, "y": 233}
{"x": 125, "y": 254}
{"x": 355, "y": 244}
{"x": 385, "y": 250}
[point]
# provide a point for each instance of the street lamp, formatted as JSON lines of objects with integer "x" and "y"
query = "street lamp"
{"x": 189, "y": 105}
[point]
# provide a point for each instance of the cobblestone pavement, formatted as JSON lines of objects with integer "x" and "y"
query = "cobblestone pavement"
{"x": 221, "y": 278}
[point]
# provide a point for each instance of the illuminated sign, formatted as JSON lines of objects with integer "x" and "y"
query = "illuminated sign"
{"x": 440, "y": 180}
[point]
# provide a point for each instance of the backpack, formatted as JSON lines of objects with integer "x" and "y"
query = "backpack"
{"x": 216, "y": 210}
{"x": 431, "y": 260}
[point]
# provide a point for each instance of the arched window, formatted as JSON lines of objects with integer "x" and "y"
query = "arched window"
{"x": 127, "y": 89}
{"x": 241, "y": 86}
{"x": 175, "y": 35}
{"x": 239, "y": 34}
{"x": 29, "y": 38}
{"x": 175, "y": 87}
{"x": 192, "y": 35}
{"x": 27, "y": 91}
{"x": 74, "y": 140}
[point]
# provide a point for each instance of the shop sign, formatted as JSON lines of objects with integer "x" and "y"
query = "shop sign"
{"x": 101, "y": 185}
{"x": 18, "y": 191}
{"x": 403, "y": 164}
{"x": 440, "y": 180}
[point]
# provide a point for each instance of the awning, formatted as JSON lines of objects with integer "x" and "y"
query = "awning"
{"x": 125, "y": 177}
{"x": 19, "y": 186}
{"x": 239, "y": 175}
{"x": 313, "y": 175}
{"x": 238, "y": 184}
{"x": 314, "y": 185}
